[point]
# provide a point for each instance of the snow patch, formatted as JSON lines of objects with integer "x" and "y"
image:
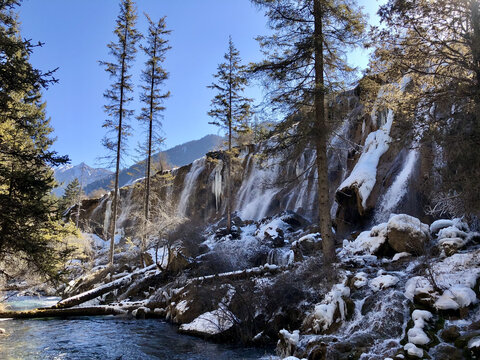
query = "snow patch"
{"x": 412, "y": 350}
{"x": 324, "y": 312}
{"x": 382, "y": 282}
{"x": 211, "y": 323}
{"x": 364, "y": 174}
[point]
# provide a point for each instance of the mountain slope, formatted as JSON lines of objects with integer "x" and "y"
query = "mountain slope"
{"x": 84, "y": 173}
{"x": 179, "y": 155}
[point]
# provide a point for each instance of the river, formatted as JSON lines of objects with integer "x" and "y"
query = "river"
{"x": 109, "y": 337}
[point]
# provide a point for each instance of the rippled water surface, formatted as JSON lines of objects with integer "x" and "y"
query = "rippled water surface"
{"x": 107, "y": 338}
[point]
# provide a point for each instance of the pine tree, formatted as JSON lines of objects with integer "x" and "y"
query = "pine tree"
{"x": 71, "y": 196}
{"x": 229, "y": 108}
{"x": 436, "y": 46}
{"x": 305, "y": 62}
{"x": 118, "y": 96}
{"x": 153, "y": 77}
{"x": 30, "y": 226}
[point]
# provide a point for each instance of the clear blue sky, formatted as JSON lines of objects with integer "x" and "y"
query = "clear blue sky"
{"x": 76, "y": 33}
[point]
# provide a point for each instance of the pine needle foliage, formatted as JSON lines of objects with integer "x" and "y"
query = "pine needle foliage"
{"x": 305, "y": 63}
{"x": 153, "y": 97}
{"x": 230, "y": 110}
{"x": 30, "y": 224}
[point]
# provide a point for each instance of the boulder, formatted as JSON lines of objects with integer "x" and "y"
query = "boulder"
{"x": 406, "y": 233}
{"x": 450, "y": 334}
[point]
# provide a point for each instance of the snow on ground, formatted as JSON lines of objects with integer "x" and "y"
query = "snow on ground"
{"x": 456, "y": 274}
{"x": 211, "y": 323}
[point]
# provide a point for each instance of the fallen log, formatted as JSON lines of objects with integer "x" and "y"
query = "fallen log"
{"x": 101, "y": 290}
{"x": 63, "y": 313}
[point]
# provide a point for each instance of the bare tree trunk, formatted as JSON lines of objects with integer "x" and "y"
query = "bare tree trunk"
{"x": 119, "y": 142}
{"x": 320, "y": 133}
{"x": 229, "y": 156}
{"x": 101, "y": 290}
{"x": 82, "y": 311}
{"x": 149, "y": 158}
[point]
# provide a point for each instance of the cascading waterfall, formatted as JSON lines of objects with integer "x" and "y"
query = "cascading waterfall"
{"x": 397, "y": 190}
{"x": 126, "y": 208}
{"x": 189, "y": 185}
{"x": 256, "y": 193}
{"x": 106, "y": 220}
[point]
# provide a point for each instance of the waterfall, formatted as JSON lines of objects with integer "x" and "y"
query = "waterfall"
{"x": 106, "y": 219}
{"x": 255, "y": 195}
{"x": 125, "y": 209}
{"x": 397, "y": 190}
{"x": 189, "y": 185}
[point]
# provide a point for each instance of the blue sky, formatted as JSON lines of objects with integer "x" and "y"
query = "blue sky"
{"x": 76, "y": 33}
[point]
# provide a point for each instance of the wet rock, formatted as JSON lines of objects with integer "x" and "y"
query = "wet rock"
{"x": 446, "y": 352}
{"x": 463, "y": 340}
{"x": 319, "y": 352}
{"x": 425, "y": 299}
{"x": 287, "y": 342}
{"x": 278, "y": 240}
{"x": 2, "y": 332}
{"x": 450, "y": 334}
{"x": 474, "y": 326}
{"x": 177, "y": 261}
{"x": 406, "y": 233}
{"x": 294, "y": 220}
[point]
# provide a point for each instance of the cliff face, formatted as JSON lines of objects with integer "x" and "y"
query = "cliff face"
{"x": 372, "y": 174}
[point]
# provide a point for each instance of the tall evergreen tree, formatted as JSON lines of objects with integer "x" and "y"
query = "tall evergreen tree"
{"x": 153, "y": 76}
{"x": 229, "y": 108}
{"x": 72, "y": 194}
{"x": 436, "y": 45}
{"x": 123, "y": 51}
{"x": 30, "y": 218}
{"x": 305, "y": 62}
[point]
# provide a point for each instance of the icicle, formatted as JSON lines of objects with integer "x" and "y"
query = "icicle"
{"x": 217, "y": 184}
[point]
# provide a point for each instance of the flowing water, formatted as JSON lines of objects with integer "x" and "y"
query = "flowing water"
{"x": 105, "y": 338}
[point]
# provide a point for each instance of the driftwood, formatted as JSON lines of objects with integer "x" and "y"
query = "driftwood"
{"x": 101, "y": 290}
{"x": 80, "y": 311}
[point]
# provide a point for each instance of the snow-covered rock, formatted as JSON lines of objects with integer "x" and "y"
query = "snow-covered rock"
{"x": 413, "y": 350}
{"x": 474, "y": 343}
{"x": 416, "y": 335}
{"x": 382, "y": 282}
{"x": 288, "y": 342}
{"x": 360, "y": 280}
{"x": 456, "y": 297}
{"x": 368, "y": 242}
{"x": 323, "y": 315}
{"x": 406, "y": 233}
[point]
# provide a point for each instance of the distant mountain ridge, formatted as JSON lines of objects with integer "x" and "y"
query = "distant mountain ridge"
{"x": 84, "y": 173}
{"x": 179, "y": 155}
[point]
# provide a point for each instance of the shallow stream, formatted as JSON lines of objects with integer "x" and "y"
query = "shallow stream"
{"x": 109, "y": 337}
